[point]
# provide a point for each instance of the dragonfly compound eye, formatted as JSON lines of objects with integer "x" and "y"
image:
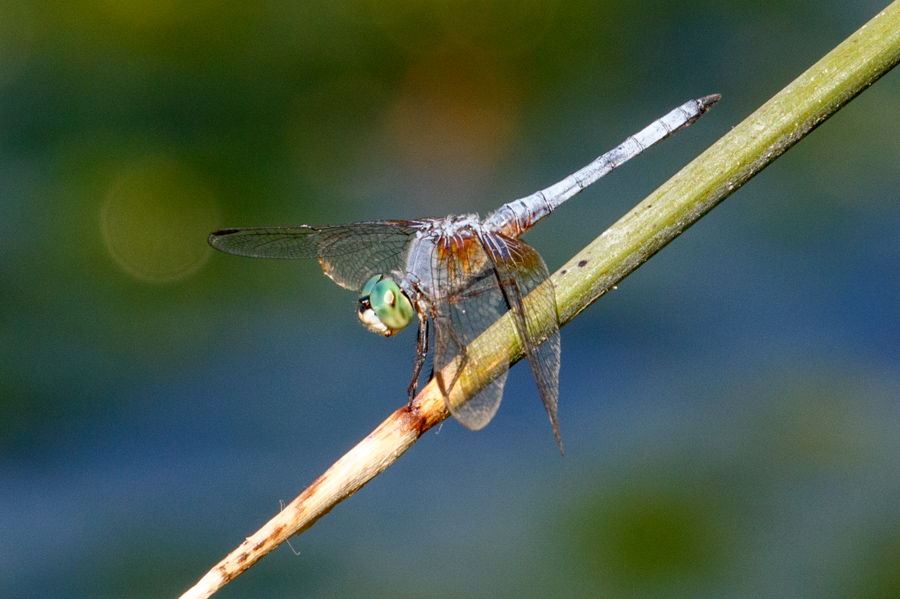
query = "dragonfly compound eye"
{"x": 383, "y": 307}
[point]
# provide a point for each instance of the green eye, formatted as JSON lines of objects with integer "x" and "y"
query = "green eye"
{"x": 383, "y": 307}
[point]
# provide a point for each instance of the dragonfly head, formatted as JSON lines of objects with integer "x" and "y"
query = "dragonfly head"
{"x": 383, "y": 307}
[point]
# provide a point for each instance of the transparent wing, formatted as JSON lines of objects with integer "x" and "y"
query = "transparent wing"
{"x": 522, "y": 271}
{"x": 350, "y": 254}
{"x": 466, "y": 301}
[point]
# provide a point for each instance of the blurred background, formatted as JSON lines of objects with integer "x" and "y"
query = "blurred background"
{"x": 731, "y": 413}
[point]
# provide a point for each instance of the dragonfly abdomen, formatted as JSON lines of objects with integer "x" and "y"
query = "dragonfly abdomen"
{"x": 518, "y": 216}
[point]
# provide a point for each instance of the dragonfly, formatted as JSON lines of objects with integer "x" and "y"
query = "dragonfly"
{"x": 456, "y": 276}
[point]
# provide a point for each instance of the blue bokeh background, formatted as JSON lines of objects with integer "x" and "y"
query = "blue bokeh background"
{"x": 731, "y": 413}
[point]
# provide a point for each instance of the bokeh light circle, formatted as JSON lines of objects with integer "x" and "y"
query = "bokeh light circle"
{"x": 156, "y": 219}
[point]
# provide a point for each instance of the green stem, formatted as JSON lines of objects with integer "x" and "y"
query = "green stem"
{"x": 732, "y": 161}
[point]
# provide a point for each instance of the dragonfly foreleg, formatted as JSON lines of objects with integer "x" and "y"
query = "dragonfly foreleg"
{"x": 421, "y": 355}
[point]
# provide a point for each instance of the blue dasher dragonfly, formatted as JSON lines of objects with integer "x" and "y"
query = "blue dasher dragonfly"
{"x": 457, "y": 275}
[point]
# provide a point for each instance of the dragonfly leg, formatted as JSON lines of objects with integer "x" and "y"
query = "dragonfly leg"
{"x": 468, "y": 289}
{"x": 421, "y": 356}
{"x": 462, "y": 359}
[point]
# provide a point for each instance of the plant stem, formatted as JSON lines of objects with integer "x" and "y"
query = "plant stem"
{"x": 737, "y": 157}
{"x": 732, "y": 161}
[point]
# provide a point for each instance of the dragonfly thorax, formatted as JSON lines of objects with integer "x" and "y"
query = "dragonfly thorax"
{"x": 383, "y": 307}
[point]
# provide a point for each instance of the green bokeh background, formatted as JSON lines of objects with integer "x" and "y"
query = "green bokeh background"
{"x": 731, "y": 413}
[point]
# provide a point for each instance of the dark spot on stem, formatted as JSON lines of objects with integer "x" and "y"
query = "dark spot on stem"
{"x": 582, "y": 263}
{"x": 563, "y": 271}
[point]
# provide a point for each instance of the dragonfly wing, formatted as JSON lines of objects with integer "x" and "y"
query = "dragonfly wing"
{"x": 521, "y": 272}
{"x": 466, "y": 301}
{"x": 350, "y": 254}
